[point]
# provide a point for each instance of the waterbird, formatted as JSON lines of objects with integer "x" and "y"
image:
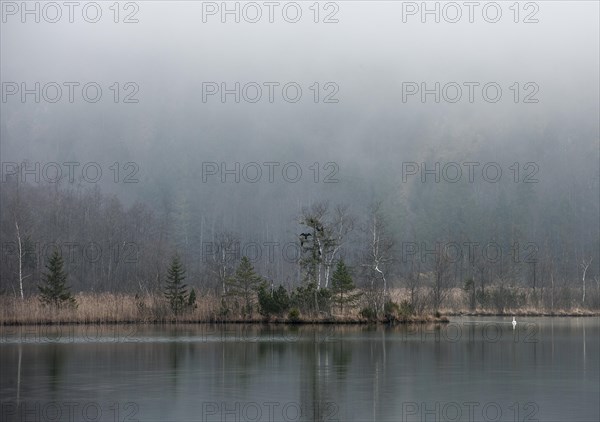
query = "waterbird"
{"x": 305, "y": 236}
{"x": 514, "y": 323}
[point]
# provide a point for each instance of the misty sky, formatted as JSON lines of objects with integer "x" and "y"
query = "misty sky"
{"x": 367, "y": 55}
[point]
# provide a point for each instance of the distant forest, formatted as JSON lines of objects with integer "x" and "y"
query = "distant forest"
{"x": 424, "y": 193}
{"x": 419, "y": 234}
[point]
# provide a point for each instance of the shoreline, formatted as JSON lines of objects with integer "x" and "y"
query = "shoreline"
{"x": 424, "y": 320}
{"x": 152, "y": 309}
{"x": 554, "y": 314}
{"x": 443, "y": 319}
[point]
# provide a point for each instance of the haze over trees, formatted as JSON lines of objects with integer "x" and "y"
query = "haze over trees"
{"x": 110, "y": 246}
{"x": 419, "y": 195}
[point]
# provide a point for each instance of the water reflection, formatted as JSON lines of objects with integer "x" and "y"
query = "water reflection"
{"x": 55, "y": 360}
{"x": 548, "y": 369}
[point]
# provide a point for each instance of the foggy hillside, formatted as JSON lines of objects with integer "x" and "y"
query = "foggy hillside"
{"x": 365, "y": 140}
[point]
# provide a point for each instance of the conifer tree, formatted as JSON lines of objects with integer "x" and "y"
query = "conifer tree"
{"x": 175, "y": 291}
{"x": 244, "y": 285}
{"x": 54, "y": 290}
{"x": 342, "y": 286}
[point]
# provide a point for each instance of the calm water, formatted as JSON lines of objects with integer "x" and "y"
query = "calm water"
{"x": 474, "y": 369}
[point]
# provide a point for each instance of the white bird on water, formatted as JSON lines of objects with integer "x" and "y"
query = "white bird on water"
{"x": 514, "y": 323}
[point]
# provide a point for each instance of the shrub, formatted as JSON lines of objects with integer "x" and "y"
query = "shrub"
{"x": 294, "y": 315}
{"x": 310, "y": 300}
{"x": 406, "y": 310}
{"x": 469, "y": 288}
{"x": 506, "y": 297}
{"x": 192, "y": 300}
{"x": 273, "y": 303}
{"x": 368, "y": 313}
{"x": 224, "y": 308}
{"x": 483, "y": 298}
{"x": 391, "y": 310}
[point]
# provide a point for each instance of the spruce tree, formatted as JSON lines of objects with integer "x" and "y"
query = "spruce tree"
{"x": 191, "y": 301}
{"x": 175, "y": 290}
{"x": 244, "y": 285}
{"x": 342, "y": 286}
{"x": 54, "y": 290}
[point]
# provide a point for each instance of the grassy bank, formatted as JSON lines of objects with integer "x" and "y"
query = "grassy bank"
{"x": 106, "y": 308}
{"x": 519, "y": 302}
{"x": 109, "y": 308}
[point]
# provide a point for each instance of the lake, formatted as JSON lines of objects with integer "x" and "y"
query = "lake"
{"x": 472, "y": 369}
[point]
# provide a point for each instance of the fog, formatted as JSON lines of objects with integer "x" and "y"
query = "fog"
{"x": 362, "y": 138}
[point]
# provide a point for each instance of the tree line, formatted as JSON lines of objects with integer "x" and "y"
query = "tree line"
{"x": 106, "y": 245}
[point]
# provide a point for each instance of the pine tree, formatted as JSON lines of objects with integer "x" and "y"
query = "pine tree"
{"x": 191, "y": 301}
{"x": 54, "y": 291}
{"x": 342, "y": 286}
{"x": 244, "y": 284}
{"x": 175, "y": 290}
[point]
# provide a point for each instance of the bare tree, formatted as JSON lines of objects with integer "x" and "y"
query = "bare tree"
{"x": 380, "y": 245}
{"x": 584, "y": 267}
{"x": 552, "y": 294}
{"x": 20, "y": 251}
{"x": 316, "y": 243}
{"x": 441, "y": 268}
{"x": 413, "y": 280}
{"x": 223, "y": 253}
{"x": 377, "y": 256}
{"x": 342, "y": 225}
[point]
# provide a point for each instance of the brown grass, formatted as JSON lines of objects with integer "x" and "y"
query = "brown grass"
{"x": 112, "y": 308}
{"x": 107, "y": 308}
{"x": 99, "y": 308}
{"x": 456, "y": 304}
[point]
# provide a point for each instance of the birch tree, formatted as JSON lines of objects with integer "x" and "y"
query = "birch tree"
{"x": 341, "y": 226}
{"x": 380, "y": 244}
{"x": 315, "y": 241}
{"x": 20, "y": 252}
{"x": 585, "y": 264}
